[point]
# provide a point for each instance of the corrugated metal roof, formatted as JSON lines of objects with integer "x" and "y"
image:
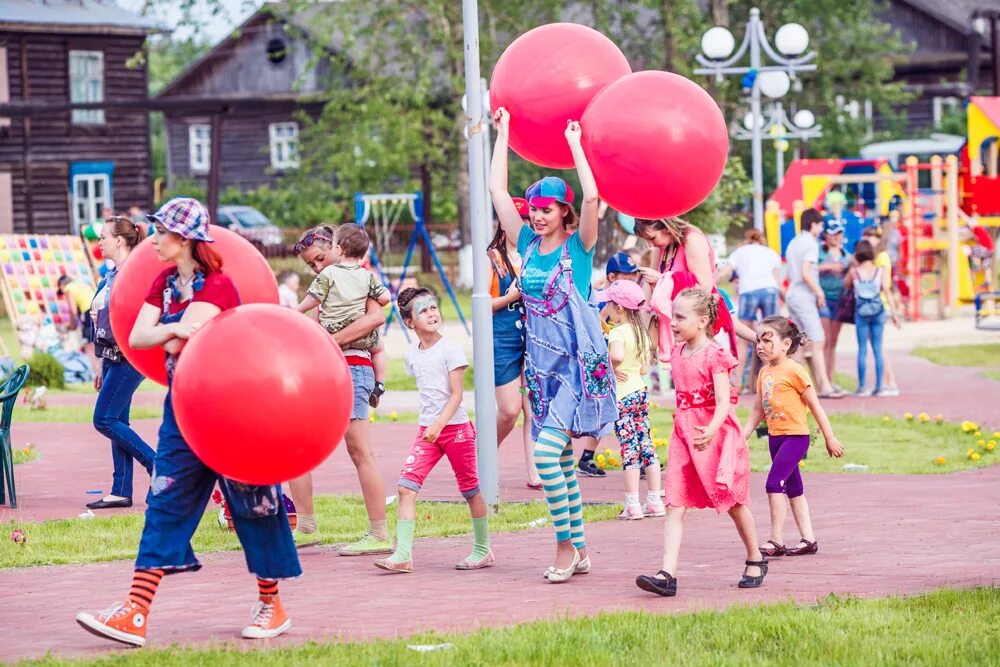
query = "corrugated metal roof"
{"x": 87, "y": 14}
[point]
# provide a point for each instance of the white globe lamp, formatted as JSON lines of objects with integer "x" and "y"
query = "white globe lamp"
{"x": 774, "y": 84}
{"x": 792, "y": 39}
{"x": 804, "y": 118}
{"x": 717, "y": 43}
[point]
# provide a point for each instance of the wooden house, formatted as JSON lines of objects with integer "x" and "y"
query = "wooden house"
{"x": 59, "y": 171}
{"x": 951, "y": 58}
{"x": 269, "y": 59}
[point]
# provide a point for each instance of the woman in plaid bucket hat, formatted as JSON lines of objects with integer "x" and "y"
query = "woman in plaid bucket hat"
{"x": 570, "y": 382}
{"x": 181, "y": 300}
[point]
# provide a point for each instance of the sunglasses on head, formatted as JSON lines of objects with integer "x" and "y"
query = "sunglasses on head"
{"x": 307, "y": 241}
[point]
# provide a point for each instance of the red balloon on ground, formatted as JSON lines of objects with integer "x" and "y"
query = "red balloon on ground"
{"x": 262, "y": 394}
{"x": 657, "y": 144}
{"x": 248, "y": 269}
{"x": 548, "y": 76}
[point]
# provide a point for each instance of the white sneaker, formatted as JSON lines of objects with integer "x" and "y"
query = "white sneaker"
{"x": 631, "y": 513}
{"x": 654, "y": 508}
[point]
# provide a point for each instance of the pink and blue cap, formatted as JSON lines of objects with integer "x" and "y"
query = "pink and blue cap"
{"x": 184, "y": 216}
{"x": 550, "y": 189}
{"x": 625, "y": 293}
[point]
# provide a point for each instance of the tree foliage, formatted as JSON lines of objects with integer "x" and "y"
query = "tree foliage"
{"x": 396, "y": 123}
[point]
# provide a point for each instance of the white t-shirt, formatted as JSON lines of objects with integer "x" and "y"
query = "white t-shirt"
{"x": 287, "y": 296}
{"x": 803, "y": 248}
{"x": 431, "y": 367}
{"x": 755, "y": 264}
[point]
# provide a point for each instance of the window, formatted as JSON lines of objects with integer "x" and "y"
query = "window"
{"x": 200, "y": 146}
{"x": 90, "y": 185}
{"x": 942, "y": 106}
{"x": 284, "y": 145}
{"x": 86, "y": 84}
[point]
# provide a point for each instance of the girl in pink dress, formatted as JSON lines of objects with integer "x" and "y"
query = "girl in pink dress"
{"x": 709, "y": 462}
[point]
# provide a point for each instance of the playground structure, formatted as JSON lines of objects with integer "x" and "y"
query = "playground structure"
{"x": 954, "y": 218}
{"x": 383, "y": 212}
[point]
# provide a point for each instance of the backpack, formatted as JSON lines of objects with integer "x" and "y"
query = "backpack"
{"x": 868, "y": 295}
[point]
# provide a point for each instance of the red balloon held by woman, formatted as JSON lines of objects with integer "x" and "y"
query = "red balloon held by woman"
{"x": 547, "y": 76}
{"x": 657, "y": 144}
{"x": 248, "y": 269}
{"x": 262, "y": 394}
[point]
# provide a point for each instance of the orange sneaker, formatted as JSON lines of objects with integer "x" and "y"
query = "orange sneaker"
{"x": 121, "y": 622}
{"x": 269, "y": 619}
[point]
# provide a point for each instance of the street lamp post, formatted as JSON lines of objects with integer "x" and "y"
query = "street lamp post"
{"x": 791, "y": 41}
{"x": 779, "y": 129}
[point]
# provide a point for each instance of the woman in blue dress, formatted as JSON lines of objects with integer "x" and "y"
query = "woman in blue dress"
{"x": 570, "y": 382}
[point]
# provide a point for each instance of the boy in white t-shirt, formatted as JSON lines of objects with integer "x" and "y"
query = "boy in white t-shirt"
{"x": 438, "y": 364}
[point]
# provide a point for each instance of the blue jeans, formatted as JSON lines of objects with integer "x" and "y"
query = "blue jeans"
{"x": 764, "y": 301}
{"x": 111, "y": 419}
{"x": 181, "y": 488}
{"x": 870, "y": 329}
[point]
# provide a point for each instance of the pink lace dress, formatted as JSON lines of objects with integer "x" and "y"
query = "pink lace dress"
{"x": 719, "y": 475}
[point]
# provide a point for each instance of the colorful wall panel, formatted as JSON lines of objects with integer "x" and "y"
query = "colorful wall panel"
{"x": 32, "y": 265}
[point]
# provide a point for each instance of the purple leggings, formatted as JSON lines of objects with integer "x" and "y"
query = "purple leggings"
{"x": 786, "y": 452}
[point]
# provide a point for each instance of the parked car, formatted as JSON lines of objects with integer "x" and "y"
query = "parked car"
{"x": 252, "y": 225}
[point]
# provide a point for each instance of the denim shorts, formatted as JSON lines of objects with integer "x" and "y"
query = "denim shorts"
{"x": 363, "y": 381}
{"x": 764, "y": 300}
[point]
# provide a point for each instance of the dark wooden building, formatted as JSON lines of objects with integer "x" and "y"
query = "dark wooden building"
{"x": 270, "y": 59}
{"x": 58, "y": 171}
{"x": 952, "y": 54}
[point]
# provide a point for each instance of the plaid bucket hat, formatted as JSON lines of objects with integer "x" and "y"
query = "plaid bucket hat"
{"x": 184, "y": 216}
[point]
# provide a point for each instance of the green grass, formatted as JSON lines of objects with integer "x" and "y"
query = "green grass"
{"x": 341, "y": 519}
{"x": 887, "y": 444}
{"x": 987, "y": 354}
{"x": 992, "y": 375}
{"x": 945, "y": 627}
{"x": 79, "y": 414}
{"x": 24, "y": 454}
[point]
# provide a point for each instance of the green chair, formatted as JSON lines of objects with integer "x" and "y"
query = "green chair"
{"x": 9, "y": 389}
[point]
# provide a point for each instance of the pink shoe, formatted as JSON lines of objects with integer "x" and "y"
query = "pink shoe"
{"x": 631, "y": 513}
{"x": 654, "y": 509}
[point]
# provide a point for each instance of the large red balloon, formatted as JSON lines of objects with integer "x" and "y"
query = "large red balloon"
{"x": 657, "y": 144}
{"x": 241, "y": 261}
{"x": 262, "y": 394}
{"x": 546, "y": 77}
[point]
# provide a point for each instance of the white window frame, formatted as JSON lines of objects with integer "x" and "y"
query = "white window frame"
{"x": 942, "y": 104}
{"x": 200, "y": 146}
{"x": 284, "y": 140}
{"x": 93, "y": 204}
{"x": 86, "y": 84}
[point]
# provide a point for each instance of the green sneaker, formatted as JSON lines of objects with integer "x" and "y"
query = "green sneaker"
{"x": 365, "y": 546}
{"x": 303, "y": 540}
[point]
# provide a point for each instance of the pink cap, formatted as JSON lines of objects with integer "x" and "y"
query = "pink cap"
{"x": 625, "y": 293}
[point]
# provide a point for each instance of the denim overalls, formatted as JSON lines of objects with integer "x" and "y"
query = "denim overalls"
{"x": 180, "y": 491}
{"x": 570, "y": 381}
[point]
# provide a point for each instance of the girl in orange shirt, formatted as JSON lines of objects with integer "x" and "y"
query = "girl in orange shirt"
{"x": 784, "y": 391}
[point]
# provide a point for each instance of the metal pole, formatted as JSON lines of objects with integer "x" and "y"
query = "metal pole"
{"x": 756, "y": 149}
{"x": 482, "y": 315}
{"x": 779, "y": 163}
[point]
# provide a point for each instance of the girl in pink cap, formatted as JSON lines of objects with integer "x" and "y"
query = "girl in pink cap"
{"x": 629, "y": 348}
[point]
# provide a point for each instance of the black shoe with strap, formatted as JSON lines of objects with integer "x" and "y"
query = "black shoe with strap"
{"x": 665, "y": 585}
{"x": 588, "y": 468}
{"x": 754, "y": 582}
{"x": 109, "y": 504}
{"x": 376, "y": 394}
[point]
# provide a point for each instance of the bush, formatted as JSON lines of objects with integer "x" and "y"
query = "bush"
{"x": 45, "y": 371}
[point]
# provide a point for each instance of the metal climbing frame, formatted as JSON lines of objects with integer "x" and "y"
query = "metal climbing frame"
{"x": 384, "y": 211}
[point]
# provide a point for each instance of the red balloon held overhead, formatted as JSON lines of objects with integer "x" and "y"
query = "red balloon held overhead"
{"x": 548, "y": 76}
{"x": 262, "y": 394}
{"x": 657, "y": 144}
{"x": 248, "y": 269}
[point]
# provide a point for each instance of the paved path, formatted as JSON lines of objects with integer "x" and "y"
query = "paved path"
{"x": 874, "y": 532}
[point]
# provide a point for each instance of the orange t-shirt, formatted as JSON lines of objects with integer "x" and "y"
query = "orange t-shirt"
{"x": 780, "y": 389}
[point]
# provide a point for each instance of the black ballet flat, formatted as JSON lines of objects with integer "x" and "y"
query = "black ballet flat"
{"x": 665, "y": 585}
{"x": 754, "y": 582}
{"x": 109, "y": 504}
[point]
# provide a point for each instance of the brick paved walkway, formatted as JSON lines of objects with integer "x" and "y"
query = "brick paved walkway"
{"x": 874, "y": 533}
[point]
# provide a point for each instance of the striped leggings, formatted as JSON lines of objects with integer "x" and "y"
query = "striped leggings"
{"x": 554, "y": 460}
